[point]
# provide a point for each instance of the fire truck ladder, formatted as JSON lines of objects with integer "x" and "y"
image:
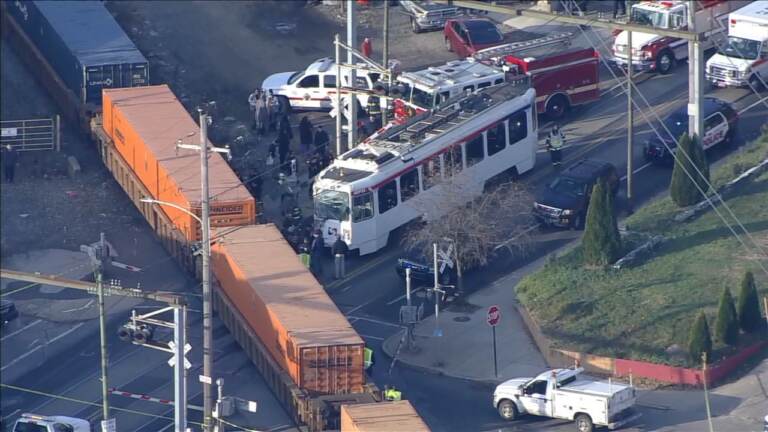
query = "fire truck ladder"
{"x": 516, "y": 47}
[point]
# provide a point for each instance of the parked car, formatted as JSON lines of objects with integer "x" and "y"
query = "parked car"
{"x": 426, "y": 15}
{"x": 422, "y": 271}
{"x": 8, "y": 312}
{"x": 720, "y": 120}
{"x": 564, "y": 202}
{"x": 467, "y": 36}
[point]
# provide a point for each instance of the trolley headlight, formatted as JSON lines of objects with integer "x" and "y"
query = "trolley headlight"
{"x": 567, "y": 212}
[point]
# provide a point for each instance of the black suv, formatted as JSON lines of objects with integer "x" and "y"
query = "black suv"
{"x": 422, "y": 272}
{"x": 8, "y": 312}
{"x": 564, "y": 202}
{"x": 720, "y": 121}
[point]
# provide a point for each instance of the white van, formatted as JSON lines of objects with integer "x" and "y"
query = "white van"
{"x": 743, "y": 60}
{"x": 313, "y": 88}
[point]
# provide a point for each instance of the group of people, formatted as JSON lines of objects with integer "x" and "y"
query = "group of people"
{"x": 267, "y": 109}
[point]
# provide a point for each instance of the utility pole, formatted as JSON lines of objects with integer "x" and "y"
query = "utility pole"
{"x": 437, "y": 291}
{"x": 630, "y": 124}
{"x": 99, "y": 270}
{"x": 352, "y": 42}
{"x": 179, "y": 368}
{"x": 706, "y": 392}
{"x": 695, "y": 78}
{"x": 206, "y": 274}
{"x": 385, "y": 63}
{"x": 339, "y": 108}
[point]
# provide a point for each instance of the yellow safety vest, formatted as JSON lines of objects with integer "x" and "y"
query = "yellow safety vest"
{"x": 393, "y": 395}
{"x": 368, "y": 361}
{"x": 305, "y": 259}
{"x": 556, "y": 140}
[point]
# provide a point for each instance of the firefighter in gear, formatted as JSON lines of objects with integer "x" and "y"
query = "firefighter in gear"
{"x": 555, "y": 143}
{"x": 373, "y": 106}
{"x": 392, "y": 394}
{"x": 368, "y": 360}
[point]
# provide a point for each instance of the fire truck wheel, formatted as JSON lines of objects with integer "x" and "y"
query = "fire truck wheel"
{"x": 557, "y": 107}
{"x": 665, "y": 62}
{"x": 448, "y": 45}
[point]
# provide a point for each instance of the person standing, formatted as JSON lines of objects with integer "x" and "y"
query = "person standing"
{"x": 283, "y": 145}
{"x": 555, "y": 143}
{"x": 619, "y": 8}
{"x": 305, "y": 132}
{"x": 261, "y": 115}
{"x": 10, "y": 157}
{"x": 284, "y": 126}
{"x": 315, "y": 251}
{"x": 366, "y": 47}
{"x": 339, "y": 251}
{"x": 321, "y": 139}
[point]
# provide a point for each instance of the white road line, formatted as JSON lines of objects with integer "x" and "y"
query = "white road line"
{"x": 85, "y": 306}
{"x": 525, "y": 231}
{"x": 379, "y": 322}
{"x": 637, "y": 170}
{"x": 32, "y": 324}
{"x": 371, "y": 337}
{"x": 356, "y": 308}
{"x": 759, "y": 101}
{"x": 30, "y": 352}
{"x": 404, "y": 296}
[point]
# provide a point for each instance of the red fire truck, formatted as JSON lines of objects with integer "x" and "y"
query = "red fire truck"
{"x": 562, "y": 76}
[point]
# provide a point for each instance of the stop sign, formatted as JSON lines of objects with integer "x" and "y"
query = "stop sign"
{"x": 494, "y": 316}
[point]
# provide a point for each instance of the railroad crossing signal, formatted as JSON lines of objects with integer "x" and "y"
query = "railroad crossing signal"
{"x": 172, "y": 360}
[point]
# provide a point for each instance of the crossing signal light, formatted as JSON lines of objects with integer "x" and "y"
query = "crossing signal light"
{"x": 139, "y": 334}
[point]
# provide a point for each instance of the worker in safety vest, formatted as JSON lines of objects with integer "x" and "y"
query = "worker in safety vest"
{"x": 392, "y": 394}
{"x": 368, "y": 360}
{"x": 373, "y": 106}
{"x": 555, "y": 143}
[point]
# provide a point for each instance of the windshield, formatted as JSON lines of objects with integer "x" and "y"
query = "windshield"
{"x": 422, "y": 98}
{"x": 29, "y": 427}
{"x": 649, "y": 17}
{"x": 741, "y": 48}
{"x": 483, "y": 33}
{"x": 677, "y": 124}
{"x": 295, "y": 77}
{"x": 332, "y": 205}
{"x": 567, "y": 186}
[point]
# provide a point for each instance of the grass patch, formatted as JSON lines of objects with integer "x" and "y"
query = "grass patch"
{"x": 640, "y": 312}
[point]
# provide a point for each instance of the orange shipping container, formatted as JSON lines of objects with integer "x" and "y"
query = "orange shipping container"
{"x": 145, "y": 123}
{"x": 289, "y": 310}
{"x": 381, "y": 417}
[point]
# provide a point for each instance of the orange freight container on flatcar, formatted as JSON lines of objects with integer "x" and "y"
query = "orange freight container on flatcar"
{"x": 381, "y": 417}
{"x": 146, "y": 123}
{"x": 289, "y": 310}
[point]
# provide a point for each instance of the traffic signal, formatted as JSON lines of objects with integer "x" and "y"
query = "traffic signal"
{"x": 125, "y": 333}
{"x": 136, "y": 333}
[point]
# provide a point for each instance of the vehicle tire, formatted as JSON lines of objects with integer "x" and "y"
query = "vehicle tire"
{"x": 730, "y": 137}
{"x": 448, "y": 45}
{"x": 508, "y": 410}
{"x": 584, "y": 423}
{"x": 415, "y": 26}
{"x": 754, "y": 82}
{"x": 578, "y": 223}
{"x": 514, "y": 176}
{"x": 665, "y": 62}
{"x": 557, "y": 106}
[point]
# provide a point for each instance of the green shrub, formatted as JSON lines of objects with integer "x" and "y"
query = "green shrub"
{"x": 699, "y": 340}
{"x": 601, "y": 242}
{"x": 686, "y": 181}
{"x": 726, "y": 325}
{"x": 748, "y": 305}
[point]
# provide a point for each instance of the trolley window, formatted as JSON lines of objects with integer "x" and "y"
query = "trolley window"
{"x": 330, "y": 204}
{"x": 453, "y": 160}
{"x": 362, "y": 207}
{"x": 517, "y": 126}
{"x": 475, "y": 151}
{"x": 431, "y": 172}
{"x": 497, "y": 139}
{"x": 409, "y": 184}
{"x": 387, "y": 197}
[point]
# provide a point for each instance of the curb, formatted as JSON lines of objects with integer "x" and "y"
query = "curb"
{"x": 427, "y": 369}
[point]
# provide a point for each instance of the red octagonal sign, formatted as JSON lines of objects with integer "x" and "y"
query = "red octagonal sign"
{"x": 494, "y": 316}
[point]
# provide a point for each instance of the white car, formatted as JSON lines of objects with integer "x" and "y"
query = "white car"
{"x": 313, "y": 88}
{"x": 564, "y": 394}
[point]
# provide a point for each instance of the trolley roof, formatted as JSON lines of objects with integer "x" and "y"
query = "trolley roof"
{"x": 395, "y": 142}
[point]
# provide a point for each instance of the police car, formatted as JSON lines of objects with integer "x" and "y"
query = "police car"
{"x": 720, "y": 121}
{"x": 314, "y": 87}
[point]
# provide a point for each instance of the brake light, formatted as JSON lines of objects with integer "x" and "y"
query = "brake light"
{"x": 667, "y": 4}
{"x": 733, "y": 21}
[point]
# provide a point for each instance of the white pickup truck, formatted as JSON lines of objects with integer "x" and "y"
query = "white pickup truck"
{"x": 565, "y": 394}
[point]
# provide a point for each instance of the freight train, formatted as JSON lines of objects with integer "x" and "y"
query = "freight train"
{"x": 304, "y": 347}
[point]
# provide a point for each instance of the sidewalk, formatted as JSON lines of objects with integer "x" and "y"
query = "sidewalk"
{"x": 465, "y": 348}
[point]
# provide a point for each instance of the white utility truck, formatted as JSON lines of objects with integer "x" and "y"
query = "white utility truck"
{"x": 566, "y": 394}
{"x": 743, "y": 59}
{"x": 39, "y": 423}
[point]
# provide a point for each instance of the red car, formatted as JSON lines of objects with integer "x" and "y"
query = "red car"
{"x": 467, "y": 36}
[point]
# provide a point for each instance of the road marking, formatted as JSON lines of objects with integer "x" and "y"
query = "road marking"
{"x": 371, "y": 337}
{"x": 30, "y": 352}
{"x": 759, "y": 101}
{"x": 80, "y": 401}
{"x": 356, "y": 272}
{"x": 525, "y": 231}
{"x": 358, "y": 307}
{"x": 638, "y": 170}
{"x": 32, "y": 324}
{"x": 379, "y": 322}
{"x": 404, "y": 296}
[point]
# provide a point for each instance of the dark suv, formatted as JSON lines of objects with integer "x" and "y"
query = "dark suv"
{"x": 720, "y": 121}
{"x": 563, "y": 202}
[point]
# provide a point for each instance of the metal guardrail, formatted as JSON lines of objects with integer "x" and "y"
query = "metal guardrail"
{"x": 31, "y": 134}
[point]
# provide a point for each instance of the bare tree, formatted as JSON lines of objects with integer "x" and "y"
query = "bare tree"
{"x": 476, "y": 228}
